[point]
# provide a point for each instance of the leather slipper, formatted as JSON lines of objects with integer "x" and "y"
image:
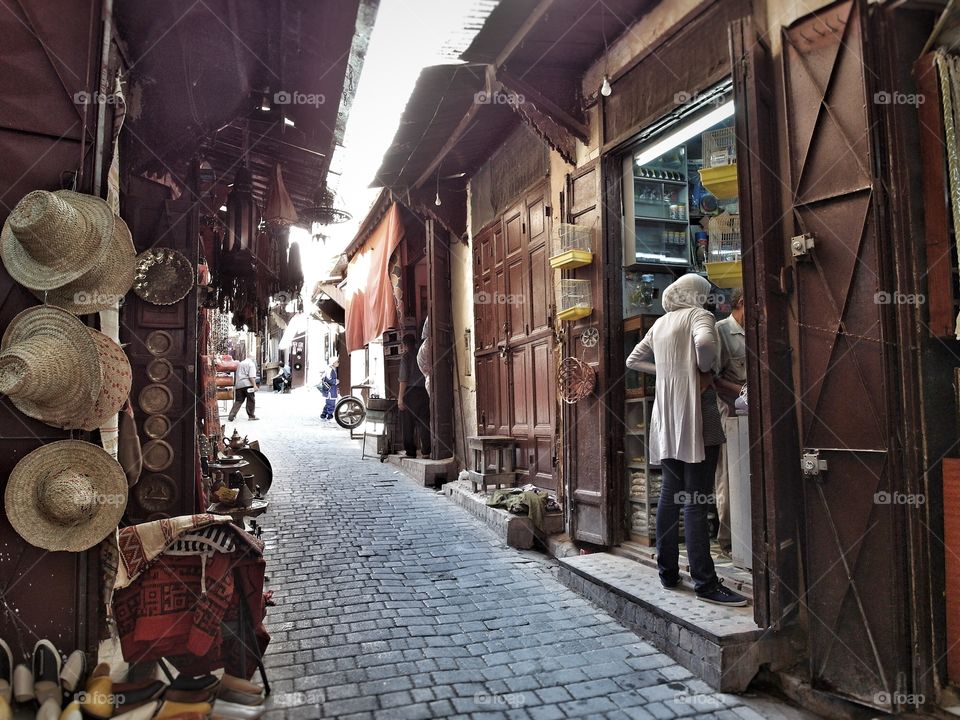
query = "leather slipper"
{"x": 172, "y": 709}
{"x": 5, "y": 712}
{"x": 74, "y": 670}
{"x": 127, "y": 696}
{"x": 201, "y": 682}
{"x": 46, "y": 672}
{"x": 222, "y": 708}
{"x": 241, "y": 698}
{"x": 245, "y": 686}
{"x": 72, "y": 712}
{"x": 144, "y": 712}
{"x": 6, "y": 672}
{"x": 22, "y": 684}
{"x": 49, "y": 710}
{"x": 97, "y": 698}
{"x": 190, "y": 696}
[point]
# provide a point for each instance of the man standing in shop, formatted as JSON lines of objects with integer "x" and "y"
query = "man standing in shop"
{"x": 245, "y": 389}
{"x": 413, "y": 402}
{"x": 731, "y": 377}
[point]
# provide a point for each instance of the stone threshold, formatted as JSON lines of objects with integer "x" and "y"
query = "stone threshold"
{"x": 517, "y": 531}
{"x": 426, "y": 472}
{"x": 721, "y": 645}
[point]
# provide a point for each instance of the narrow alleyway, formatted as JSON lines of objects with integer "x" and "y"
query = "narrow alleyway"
{"x": 392, "y": 602}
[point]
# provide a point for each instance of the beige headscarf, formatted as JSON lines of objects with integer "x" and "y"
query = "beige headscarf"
{"x": 686, "y": 292}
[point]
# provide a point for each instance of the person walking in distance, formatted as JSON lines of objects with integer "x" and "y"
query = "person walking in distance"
{"x": 245, "y": 389}
{"x": 328, "y": 388}
{"x": 685, "y": 432}
{"x": 413, "y": 402}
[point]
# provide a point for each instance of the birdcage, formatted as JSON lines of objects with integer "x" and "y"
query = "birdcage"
{"x": 572, "y": 246}
{"x": 576, "y": 299}
{"x": 719, "y": 147}
{"x": 724, "y": 248}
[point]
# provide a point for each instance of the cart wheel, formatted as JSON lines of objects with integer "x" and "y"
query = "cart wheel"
{"x": 349, "y": 412}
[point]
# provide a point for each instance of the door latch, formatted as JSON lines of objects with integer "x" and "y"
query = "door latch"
{"x": 812, "y": 465}
{"x": 801, "y": 245}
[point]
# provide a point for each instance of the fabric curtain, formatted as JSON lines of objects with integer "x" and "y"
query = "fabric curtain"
{"x": 371, "y": 306}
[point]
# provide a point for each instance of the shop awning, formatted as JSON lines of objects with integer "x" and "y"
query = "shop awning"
{"x": 296, "y": 326}
{"x": 369, "y": 292}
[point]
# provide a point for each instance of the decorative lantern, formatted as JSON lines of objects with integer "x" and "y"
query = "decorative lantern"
{"x": 242, "y": 215}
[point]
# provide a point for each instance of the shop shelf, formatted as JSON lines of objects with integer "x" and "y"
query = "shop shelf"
{"x": 726, "y": 274}
{"x": 721, "y": 181}
{"x": 571, "y": 259}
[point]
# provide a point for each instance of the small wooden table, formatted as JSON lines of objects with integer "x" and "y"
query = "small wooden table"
{"x": 493, "y": 461}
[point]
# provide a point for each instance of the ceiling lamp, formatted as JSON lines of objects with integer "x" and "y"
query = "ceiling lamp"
{"x": 323, "y": 211}
{"x": 242, "y": 215}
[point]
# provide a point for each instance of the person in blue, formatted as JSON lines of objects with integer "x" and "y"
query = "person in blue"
{"x": 328, "y": 388}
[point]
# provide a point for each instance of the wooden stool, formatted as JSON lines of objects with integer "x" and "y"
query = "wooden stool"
{"x": 493, "y": 460}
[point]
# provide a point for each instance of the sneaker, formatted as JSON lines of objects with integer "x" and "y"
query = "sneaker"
{"x": 670, "y": 585}
{"x": 722, "y": 595}
{"x": 46, "y": 671}
{"x": 6, "y": 672}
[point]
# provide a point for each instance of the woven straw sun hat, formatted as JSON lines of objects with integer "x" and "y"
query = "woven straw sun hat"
{"x": 50, "y": 367}
{"x": 117, "y": 378}
{"x": 53, "y": 238}
{"x": 103, "y": 285}
{"x": 67, "y": 495}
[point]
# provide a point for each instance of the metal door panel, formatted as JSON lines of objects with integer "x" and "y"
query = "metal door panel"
{"x": 858, "y": 622}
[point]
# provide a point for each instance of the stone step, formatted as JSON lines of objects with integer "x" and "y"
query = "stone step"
{"x": 425, "y": 472}
{"x": 517, "y": 531}
{"x": 722, "y": 645}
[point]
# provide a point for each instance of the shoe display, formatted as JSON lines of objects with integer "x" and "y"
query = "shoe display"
{"x": 97, "y": 698}
{"x": 6, "y": 672}
{"x": 22, "y": 684}
{"x": 74, "y": 670}
{"x": 722, "y": 595}
{"x": 46, "y": 673}
{"x": 49, "y": 710}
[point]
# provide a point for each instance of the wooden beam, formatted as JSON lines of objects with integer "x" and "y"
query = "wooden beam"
{"x": 520, "y": 35}
{"x": 531, "y": 94}
{"x": 465, "y": 122}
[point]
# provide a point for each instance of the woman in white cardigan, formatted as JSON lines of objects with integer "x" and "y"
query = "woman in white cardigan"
{"x": 685, "y": 432}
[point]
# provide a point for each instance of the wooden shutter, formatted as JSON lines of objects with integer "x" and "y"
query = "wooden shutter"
{"x": 441, "y": 342}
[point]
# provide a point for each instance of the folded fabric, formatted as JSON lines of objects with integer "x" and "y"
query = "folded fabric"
{"x": 206, "y": 541}
{"x": 521, "y": 502}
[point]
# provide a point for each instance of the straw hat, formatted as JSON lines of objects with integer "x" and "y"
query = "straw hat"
{"x": 117, "y": 377}
{"x": 103, "y": 285}
{"x": 50, "y": 366}
{"x": 67, "y": 495}
{"x": 53, "y": 238}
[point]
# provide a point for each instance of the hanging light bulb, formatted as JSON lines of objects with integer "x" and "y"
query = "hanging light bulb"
{"x": 437, "y": 201}
{"x": 606, "y": 89}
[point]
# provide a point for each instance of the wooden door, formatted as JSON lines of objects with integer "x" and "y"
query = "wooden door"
{"x": 774, "y": 470}
{"x": 587, "y": 445}
{"x": 846, "y": 387}
{"x": 441, "y": 342}
{"x": 47, "y": 132}
{"x": 513, "y": 301}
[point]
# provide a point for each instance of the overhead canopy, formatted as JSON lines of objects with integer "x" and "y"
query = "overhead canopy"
{"x": 371, "y": 308}
{"x": 296, "y": 326}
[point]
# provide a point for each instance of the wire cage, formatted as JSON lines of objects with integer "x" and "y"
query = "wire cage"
{"x": 724, "y": 239}
{"x": 719, "y": 147}
{"x": 576, "y": 299}
{"x": 572, "y": 246}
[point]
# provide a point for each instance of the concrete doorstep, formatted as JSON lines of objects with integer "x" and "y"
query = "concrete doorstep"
{"x": 425, "y": 472}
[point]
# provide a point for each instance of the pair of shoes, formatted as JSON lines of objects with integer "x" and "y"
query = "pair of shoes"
{"x": 722, "y": 595}
{"x": 238, "y": 691}
{"x": 42, "y": 683}
{"x": 74, "y": 671}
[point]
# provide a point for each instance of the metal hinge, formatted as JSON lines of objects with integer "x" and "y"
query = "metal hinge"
{"x": 811, "y": 464}
{"x": 801, "y": 245}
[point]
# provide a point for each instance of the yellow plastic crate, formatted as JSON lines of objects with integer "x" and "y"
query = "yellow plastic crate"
{"x": 571, "y": 259}
{"x": 720, "y": 180}
{"x": 726, "y": 274}
{"x": 574, "y": 313}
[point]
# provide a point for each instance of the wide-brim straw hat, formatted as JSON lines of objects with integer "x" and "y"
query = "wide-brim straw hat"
{"x": 66, "y": 496}
{"x": 50, "y": 367}
{"x": 102, "y": 286}
{"x": 116, "y": 375}
{"x": 52, "y": 238}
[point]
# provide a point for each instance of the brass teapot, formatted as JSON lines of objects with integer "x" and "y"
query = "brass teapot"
{"x": 235, "y": 442}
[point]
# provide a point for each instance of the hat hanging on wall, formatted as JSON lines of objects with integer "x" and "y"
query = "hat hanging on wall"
{"x": 163, "y": 276}
{"x": 66, "y": 496}
{"x": 68, "y": 249}
{"x": 57, "y": 370}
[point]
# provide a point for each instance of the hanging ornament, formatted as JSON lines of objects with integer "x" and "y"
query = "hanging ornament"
{"x": 242, "y": 216}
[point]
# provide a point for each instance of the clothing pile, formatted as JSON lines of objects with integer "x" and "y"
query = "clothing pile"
{"x": 526, "y": 500}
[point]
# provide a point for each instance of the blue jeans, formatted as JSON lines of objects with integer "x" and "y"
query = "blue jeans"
{"x": 689, "y": 485}
{"x": 329, "y": 405}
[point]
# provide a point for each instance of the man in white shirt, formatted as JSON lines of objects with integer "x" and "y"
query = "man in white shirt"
{"x": 245, "y": 389}
{"x": 731, "y": 377}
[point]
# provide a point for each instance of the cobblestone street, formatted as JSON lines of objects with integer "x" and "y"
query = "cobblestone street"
{"x": 392, "y": 602}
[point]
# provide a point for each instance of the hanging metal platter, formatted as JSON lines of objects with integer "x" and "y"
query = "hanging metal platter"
{"x": 259, "y": 467}
{"x": 164, "y": 276}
